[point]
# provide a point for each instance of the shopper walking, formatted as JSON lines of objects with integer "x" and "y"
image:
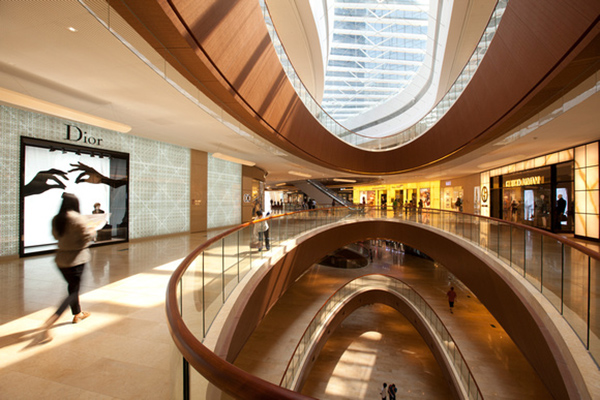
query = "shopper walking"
{"x": 74, "y": 236}
{"x": 383, "y": 392}
{"x": 261, "y": 229}
{"x": 451, "y": 298}
{"x": 392, "y": 391}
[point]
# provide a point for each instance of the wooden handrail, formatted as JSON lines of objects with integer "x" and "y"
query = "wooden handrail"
{"x": 233, "y": 380}
{"x": 226, "y": 376}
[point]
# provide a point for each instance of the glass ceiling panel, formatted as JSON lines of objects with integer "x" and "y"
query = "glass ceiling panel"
{"x": 377, "y": 47}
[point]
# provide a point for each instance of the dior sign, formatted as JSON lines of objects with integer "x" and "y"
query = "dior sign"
{"x": 75, "y": 134}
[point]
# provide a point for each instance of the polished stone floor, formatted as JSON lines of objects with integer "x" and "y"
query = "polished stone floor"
{"x": 122, "y": 351}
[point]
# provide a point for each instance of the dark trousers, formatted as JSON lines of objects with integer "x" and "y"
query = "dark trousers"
{"x": 73, "y": 277}
{"x": 264, "y": 234}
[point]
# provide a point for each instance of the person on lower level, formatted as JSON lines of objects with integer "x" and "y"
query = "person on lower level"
{"x": 262, "y": 229}
{"x": 383, "y": 392}
{"x": 451, "y": 298}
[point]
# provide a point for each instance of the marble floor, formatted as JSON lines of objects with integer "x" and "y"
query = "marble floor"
{"x": 122, "y": 351}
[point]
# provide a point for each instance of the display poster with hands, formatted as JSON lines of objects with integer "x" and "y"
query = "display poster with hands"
{"x": 47, "y": 175}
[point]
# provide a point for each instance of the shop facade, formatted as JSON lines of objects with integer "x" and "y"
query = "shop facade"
{"x": 145, "y": 187}
{"x": 406, "y": 194}
{"x": 557, "y": 192}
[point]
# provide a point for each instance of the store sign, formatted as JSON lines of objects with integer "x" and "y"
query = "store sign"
{"x": 531, "y": 180}
{"x": 485, "y": 196}
{"x": 75, "y": 134}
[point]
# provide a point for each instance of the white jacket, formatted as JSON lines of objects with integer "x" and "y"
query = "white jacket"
{"x": 73, "y": 244}
{"x": 260, "y": 227}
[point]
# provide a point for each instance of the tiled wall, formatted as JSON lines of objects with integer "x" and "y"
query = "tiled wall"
{"x": 224, "y": 197}
{"x": 159, "y": 176}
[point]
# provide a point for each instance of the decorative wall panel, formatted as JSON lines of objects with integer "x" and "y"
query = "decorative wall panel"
{"x": 159, "y": 175}
{"x": 224, "y": 197}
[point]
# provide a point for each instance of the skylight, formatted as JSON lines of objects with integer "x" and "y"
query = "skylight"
{"x": 376, "y": 48}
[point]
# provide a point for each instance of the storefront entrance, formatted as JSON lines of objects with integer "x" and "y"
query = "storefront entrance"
{"x": 541, "y": 197}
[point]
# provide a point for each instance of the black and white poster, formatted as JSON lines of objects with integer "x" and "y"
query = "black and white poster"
{"x": 99, "y": 180}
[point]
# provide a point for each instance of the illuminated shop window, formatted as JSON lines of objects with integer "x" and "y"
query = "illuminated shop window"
{"x": 587, "y": 222}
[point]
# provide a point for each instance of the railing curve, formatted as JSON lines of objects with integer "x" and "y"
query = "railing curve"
{"x": 468, "y": 385}
{"x": 485, "y": 232}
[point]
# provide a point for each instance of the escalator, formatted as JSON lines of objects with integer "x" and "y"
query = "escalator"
{"x": 321, "y": 193}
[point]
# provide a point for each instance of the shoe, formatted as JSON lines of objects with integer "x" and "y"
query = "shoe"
{"x": 80, "y": 317}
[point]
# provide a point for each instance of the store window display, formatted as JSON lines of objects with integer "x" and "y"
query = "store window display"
{"x": 96, "y": 177}
{"x": 542, "y": 211}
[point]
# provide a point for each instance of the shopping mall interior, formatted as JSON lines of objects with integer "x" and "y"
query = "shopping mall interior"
{"x": 300, "y": 199}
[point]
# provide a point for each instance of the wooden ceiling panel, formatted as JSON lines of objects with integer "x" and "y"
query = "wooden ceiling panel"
{"x": 532, "y": 47}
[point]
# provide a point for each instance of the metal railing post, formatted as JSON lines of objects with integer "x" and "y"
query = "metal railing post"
{"x": 223, "y": 271}
{"x": 203, "y": 299}
{"x": 542, "y": 264}
{"x": 589, "y": 304}
{"x": 186, "y": 379}
{"x": 525, "y": 253}
{"x": 562, "y": 280}
{"x": 511, "y": 248}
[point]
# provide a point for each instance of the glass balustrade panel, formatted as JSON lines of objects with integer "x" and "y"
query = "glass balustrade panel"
{"x": 552, "y": 271}
{"x": 575, "y": 291}
{"x": 192, "y": 297}
{"x": 594, "y": 325}
{"x": 230, "y": 264}
{"x": 517, "y": 249}
{"x": 504, "y": 246}
{"x": 213, "y": 281}
{"x": 533, "y": 261}
{"x": 275, "y": 233}
{"x": 493, "y": 237}
{"x": 244, "y": 239}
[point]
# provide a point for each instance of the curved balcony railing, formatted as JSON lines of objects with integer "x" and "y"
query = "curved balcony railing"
{"x": 401, "y": 138}
{"x": 461, "y": 371}
{"x": 564, "y": 271}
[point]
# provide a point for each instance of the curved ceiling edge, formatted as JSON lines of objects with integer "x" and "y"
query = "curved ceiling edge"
{"x": 224, "y": 48}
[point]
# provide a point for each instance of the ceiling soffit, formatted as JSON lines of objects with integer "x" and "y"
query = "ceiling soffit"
{"x": 224, "y": 49}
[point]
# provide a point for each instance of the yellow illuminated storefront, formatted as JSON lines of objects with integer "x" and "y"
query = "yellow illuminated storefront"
{"x": 404, "y": 194}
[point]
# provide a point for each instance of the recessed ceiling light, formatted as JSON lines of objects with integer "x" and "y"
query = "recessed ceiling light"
{"x": 72, "y": 29}
{"x": 302, "y": 174}
{"x": 233, "y": 159}
{"x": 344, "y": 180}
